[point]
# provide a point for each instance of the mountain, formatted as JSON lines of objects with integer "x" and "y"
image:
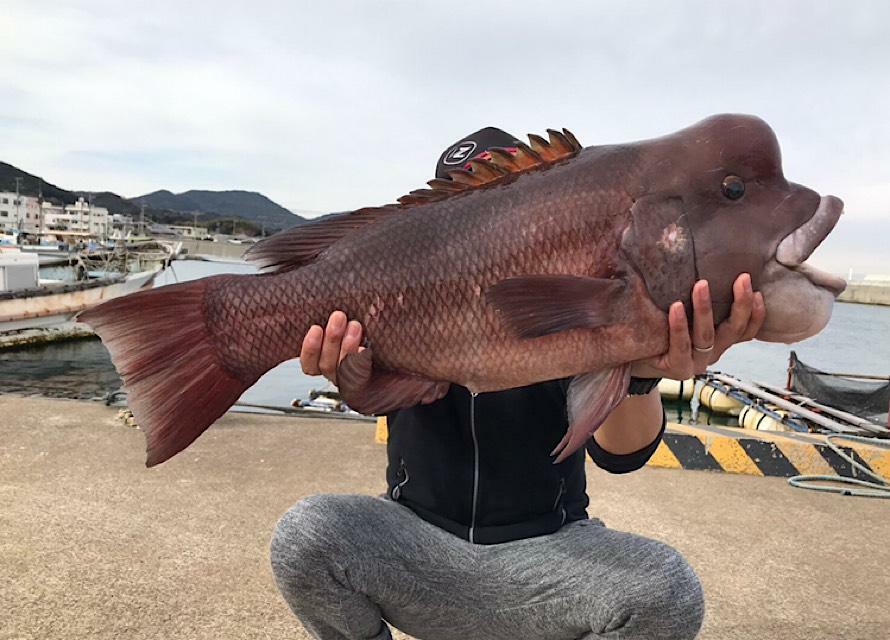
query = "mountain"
{"x": 244, "y": 204}
{"x": 111, "y": 201}
{"x": 217, "y": 209}
{"x": 31, "y": 185}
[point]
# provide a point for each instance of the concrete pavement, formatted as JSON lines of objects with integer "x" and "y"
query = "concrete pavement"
{"x": 94, "y": 545}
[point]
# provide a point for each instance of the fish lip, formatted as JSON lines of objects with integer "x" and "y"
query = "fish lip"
{"x": 823, "y": 279}
{"x": 799, "y": 245}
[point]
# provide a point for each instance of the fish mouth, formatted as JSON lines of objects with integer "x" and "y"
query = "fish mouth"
{"x": 799, "y": 245}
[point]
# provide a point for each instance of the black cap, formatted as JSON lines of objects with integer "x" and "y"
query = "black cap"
{"x": 460, "y": 153}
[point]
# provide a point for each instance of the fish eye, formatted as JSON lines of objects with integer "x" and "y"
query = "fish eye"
{"x": 733, "y": 187}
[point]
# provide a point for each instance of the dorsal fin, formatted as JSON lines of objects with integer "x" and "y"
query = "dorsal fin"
{"x": 495, "y": 164}
{"x": 301, "y": 245}
{"x": 298, "y": 246}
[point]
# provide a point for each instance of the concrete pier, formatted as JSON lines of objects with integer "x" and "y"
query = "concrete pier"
{"x": 225, "y": 250}
{"x": 866, "y": 293}
{"x": 93, "y": 545}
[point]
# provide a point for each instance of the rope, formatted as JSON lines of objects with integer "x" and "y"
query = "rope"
{"x": 879, "y": 488}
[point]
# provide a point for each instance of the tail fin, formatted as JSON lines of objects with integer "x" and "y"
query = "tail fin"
{"x": 176, "y": 383}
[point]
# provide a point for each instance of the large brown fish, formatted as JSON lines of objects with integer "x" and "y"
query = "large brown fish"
{"x": 544, "y": 262}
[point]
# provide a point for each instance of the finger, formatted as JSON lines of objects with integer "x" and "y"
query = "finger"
{"x": 703, "y": 332}
{"x": 733, "y": 328}
{"x": 352, "y": 340}
{"x": 310, "y": 350}
{"x": 330, "y": 346}
{"x": 758, "y": 315}
{"x": 679, "y": 354}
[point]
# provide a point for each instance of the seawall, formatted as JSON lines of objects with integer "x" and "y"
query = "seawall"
{"x": 218, "y": 249}
{"x": 866, "y": 293}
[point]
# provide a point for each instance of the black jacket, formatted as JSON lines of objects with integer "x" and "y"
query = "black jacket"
{"x": 480, "y": 467}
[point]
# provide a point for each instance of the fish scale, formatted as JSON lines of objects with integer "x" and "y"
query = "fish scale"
{"x": 411, "y": 337}
{"x": 547, "y": 262}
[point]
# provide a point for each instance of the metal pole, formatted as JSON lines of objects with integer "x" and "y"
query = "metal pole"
{"x": 40, "y": 211}
{"x": 790, "y": 363}
{"x": 821, "y": 420}
{"x": 18, "y": 204}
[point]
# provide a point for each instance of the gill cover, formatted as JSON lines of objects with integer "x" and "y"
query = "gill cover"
{"x": 659, "y": 244}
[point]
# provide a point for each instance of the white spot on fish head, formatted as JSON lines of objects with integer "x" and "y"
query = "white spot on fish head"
{"x": 673, "y": 239}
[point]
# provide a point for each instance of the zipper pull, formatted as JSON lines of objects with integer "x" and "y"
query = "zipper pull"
{"x": 402, "y": 477}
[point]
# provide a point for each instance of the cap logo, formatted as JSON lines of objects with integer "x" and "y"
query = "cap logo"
{"x": 460, "y": 153}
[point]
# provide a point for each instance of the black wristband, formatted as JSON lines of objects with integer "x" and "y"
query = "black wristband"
{"x": 641, "y": 386}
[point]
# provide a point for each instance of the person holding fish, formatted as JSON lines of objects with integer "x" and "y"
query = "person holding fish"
{"x": 510, "y": 318}
{"x": 480, "y": 535}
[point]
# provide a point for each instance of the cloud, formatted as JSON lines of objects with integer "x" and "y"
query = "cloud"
{"x": 338, "y": 105}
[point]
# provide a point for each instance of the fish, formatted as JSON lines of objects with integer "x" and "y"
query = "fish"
{"x": 544, "y": 261}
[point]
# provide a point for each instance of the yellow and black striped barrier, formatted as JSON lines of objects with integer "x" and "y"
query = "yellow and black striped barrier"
{"x": 758, "y": 453}
{"x": 762, "y": 453}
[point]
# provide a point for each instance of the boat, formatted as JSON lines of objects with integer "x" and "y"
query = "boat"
{"x": 129, "y": 257}
{"x": 33, "y": 309}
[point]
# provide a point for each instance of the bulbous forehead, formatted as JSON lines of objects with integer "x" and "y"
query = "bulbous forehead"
{"x": 737, "y": 144}
{"x": 734, "y": 140}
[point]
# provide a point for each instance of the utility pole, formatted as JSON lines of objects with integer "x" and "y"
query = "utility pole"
{"x": 40, "y": 210}
{"x": 195, "y": 215}
{"x": 142, "y": 220}
{"x": 18, "y": 204}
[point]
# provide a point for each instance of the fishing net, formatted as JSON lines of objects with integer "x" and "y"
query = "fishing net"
{"x": 867, "y": 399}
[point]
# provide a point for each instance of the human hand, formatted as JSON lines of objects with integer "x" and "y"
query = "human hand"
{"x": 323, "y": 349}
{"x": 687, "y": 354}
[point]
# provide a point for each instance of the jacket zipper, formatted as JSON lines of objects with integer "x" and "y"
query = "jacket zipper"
{"x": 562, "y": 490}
{"x": 397, "y": 490}
{"x": 558, "y": 501}
{"x": 475, "y": 467}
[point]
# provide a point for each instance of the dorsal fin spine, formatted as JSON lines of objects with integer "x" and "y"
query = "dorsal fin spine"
{"x": 299, "y": 246}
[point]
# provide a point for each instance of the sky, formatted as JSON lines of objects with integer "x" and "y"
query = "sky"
{"x": 338, "y": 105}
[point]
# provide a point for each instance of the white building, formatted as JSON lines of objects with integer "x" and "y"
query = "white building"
{"x": 188, "y": 231}
{"x": 79, "y": 217}
{"x": 22, "y": 212}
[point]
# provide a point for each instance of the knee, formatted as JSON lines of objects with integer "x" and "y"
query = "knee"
{"x": 667, "y": 600}
{"x": 679, "y": 600}
{"x": 300, "y": 544}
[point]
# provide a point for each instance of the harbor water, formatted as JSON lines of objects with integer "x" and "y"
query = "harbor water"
{"x": 857, "y": 340}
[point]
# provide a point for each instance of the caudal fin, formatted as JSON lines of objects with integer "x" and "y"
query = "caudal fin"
{"x": 176, "y": 383}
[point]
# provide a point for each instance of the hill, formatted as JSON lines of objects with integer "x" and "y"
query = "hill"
{"x": 218, "y": 209}
{"x": 244, "y": 204}
{"x": 31, "y": 185}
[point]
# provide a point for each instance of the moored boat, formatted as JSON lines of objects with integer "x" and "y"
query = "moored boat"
{"x": 34, "y": 310}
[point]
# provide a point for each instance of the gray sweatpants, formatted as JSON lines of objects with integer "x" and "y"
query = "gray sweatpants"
{"x": 346, "y": 563}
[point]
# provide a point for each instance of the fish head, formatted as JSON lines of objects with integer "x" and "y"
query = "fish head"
{"x": 713, "y": 203}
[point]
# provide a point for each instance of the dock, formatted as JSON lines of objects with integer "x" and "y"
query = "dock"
{"x": 93, "y": 544}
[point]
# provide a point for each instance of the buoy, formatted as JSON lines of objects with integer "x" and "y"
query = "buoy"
{"x": 676, "y": 389}
{"x": 718, "y": 402}
{"x": 751, "y": 417}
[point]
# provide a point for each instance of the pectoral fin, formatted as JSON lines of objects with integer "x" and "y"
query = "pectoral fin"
{"x": 592, "y": 397}
{"x": 534, "y": 306}
{"x": 373, "y": 391}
